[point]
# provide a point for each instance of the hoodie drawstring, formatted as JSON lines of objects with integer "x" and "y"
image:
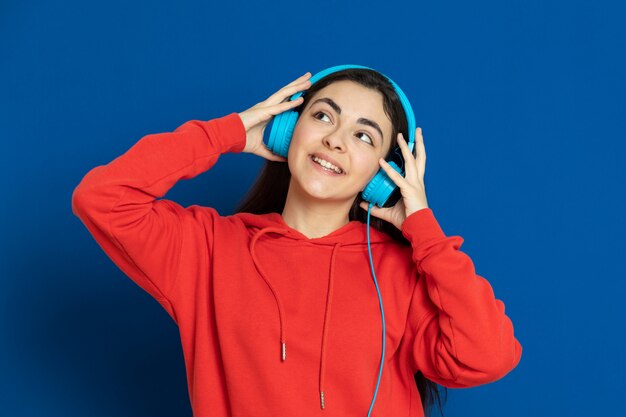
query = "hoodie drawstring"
{"x": 329, "y": 297}
{"x": 281, "y": 317}
{"x": 283, "y": 341}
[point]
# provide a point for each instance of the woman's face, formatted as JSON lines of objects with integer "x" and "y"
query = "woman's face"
{"x": 339, "y": 123}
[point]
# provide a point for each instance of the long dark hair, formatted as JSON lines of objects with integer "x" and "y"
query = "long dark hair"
{"x": 269, "y": 192}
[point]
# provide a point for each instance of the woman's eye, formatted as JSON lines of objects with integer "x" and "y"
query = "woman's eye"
{"x": 371, "y": 142}
{"x": 318, "y": 113}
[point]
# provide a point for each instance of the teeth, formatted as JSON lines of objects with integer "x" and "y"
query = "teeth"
{"x": 327, "y": 164}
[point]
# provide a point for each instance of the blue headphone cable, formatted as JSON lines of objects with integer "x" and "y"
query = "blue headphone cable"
{"x": 382, "y": 310}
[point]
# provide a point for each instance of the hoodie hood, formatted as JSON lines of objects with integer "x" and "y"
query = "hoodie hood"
{"x": 351, "y": 234}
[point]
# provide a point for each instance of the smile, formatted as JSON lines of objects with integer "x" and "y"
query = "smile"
{"x": 327, "y": 169}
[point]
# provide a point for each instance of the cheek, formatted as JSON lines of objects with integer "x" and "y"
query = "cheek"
{"x": 297, "y": 152}
{"x": 303, "y": 130}
{"x": 368, "y": 166}
{"x": 295, "y": 143}
{"x": 302, "y": 141}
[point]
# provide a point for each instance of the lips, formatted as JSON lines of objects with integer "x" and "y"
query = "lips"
{"x": 324, "y": 170}
{"x": 329, "y": 159}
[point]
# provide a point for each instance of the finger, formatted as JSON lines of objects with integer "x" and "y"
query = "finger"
{"x": 298, "y": 80}
{"x": 292, "y": 92}
{"x": 278, "y": 158}
{"x": 285, "y": 95}
{"x": 392, "y": 173}
{"x": 266, "y": 153}
{"x": 409, "y": 159}
{"x": 290, "y": 89}
{"x": 376, "y": 211}
{"x": 285, "y": 105}
{"x": 365, "y": 205}
{"x": 264, "y": 114}
{"x": 421, "y": 154}
{"x": 304, "y": 76}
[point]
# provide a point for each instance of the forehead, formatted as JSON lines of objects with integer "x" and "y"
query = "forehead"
{"x": 354, "y": 99}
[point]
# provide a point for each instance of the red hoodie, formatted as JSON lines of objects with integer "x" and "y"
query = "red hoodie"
{"x": 273, "y": 323}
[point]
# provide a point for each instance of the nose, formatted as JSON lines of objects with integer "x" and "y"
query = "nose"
{"x": 335, "y": 140}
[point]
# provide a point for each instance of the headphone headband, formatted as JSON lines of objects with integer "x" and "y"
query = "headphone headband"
{"x": 406, "y": 105}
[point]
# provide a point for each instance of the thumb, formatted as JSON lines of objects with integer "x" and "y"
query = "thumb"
{"x": 266, "y": 153}
{"x": 376, "y": 211}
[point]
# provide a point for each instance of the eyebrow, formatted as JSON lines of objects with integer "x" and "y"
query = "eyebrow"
{"x": 361, "y": 120}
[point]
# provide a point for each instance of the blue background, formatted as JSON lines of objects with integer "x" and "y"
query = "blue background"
{"x": 522, "y": 105}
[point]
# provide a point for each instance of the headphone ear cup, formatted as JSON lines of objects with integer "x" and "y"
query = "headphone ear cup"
{"x": 281, "y": 132}
{"x": 381, "y": 187}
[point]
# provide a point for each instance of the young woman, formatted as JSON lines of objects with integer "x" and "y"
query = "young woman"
{"x": 278, "y": 311}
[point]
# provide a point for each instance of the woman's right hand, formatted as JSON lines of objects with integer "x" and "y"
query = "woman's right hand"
{"x": 256, "y": 118}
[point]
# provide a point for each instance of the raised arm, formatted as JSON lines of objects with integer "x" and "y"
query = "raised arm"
{"x": 457, "y": 333}
{"x": 118, "y": 202}
{"x": 146, "y": 237}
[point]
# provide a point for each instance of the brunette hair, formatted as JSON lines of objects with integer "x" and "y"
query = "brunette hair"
{"x": 269, "y": 193}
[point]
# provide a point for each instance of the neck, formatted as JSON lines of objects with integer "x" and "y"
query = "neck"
{"x": 314, "y": 217}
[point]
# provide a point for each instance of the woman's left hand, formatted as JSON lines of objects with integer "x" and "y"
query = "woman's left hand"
{"x": 411, "y": 186}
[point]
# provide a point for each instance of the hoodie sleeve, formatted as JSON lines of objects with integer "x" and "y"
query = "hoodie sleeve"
{"x": 457, "y": 333}
{"x": 118, "y": 202}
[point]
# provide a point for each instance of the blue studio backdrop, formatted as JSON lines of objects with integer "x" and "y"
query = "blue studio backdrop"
{"x": 521, "y": 105}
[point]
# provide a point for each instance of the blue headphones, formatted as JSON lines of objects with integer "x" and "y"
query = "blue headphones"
{"x": 380, "y": 188}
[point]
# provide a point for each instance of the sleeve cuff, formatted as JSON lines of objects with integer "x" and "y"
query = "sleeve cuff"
{"x": 421, "y": 228}
{"x": 229, "y": 132}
